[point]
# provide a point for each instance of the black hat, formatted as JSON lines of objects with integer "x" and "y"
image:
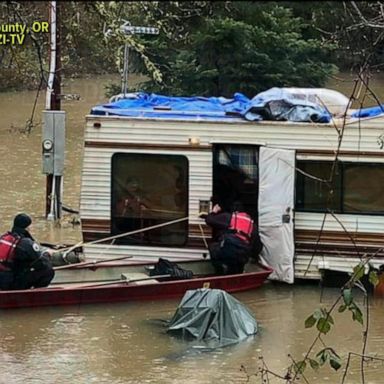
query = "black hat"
{"x": 22, "y": 220}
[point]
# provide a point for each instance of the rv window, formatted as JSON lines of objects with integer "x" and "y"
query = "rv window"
{"x": 148, "y": 190}
{"x": 356, "y": 187}
{"x": 312, "y": 190}
{"x": 363, "y": 188}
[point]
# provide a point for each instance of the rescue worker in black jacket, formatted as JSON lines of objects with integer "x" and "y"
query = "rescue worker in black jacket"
{"x": 235, "y": 241}
{"x": 26, "y": 263}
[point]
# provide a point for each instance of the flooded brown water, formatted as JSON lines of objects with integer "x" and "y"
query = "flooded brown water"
{"x": 125, "y": 343}
{"x": 365, "y": 94}
{"x": 23, "y": 186}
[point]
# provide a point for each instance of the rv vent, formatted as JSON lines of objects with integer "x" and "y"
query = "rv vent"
{"x": 96, "y": 125}
{"x": 162, "y": 108}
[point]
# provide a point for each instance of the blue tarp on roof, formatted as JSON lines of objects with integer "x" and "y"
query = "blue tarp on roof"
{"x": 369, "y": 112}
{"x": 153, "y": 105}
{"x": 274, "y": 104}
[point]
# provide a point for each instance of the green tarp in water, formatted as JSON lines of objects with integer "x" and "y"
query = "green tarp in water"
{"x": 213, "y": 317}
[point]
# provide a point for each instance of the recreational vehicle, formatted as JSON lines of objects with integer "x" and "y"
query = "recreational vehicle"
{"x": 160, "y": 169}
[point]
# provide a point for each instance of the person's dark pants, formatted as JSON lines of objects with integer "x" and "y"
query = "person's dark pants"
{"x": 229, "y": 256}
{"x": 35, "y": 278}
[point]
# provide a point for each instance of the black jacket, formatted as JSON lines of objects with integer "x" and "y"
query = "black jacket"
{"x": 220, "y": 222}
{"x": 28, "y": 253}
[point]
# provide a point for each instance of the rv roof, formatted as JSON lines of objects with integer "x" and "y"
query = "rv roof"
{"x": 274, "y": 104}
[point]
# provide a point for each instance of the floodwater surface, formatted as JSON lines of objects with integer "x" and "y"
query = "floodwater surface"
{"x": 23, "y": 183}
{"x": 128, "y": 343}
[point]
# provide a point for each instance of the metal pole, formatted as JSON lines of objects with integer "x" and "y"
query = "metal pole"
{"x": 49, "y": 96}
{"x": 52, "y": 54}
{"x": 125, "y": 70}
{"x": 48, "y": 194}
{"x": 129, "y": 29}
{"x": 57, "y": 106}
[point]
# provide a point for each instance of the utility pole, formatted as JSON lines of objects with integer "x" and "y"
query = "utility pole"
{"x": 53, "y": 122}
{"x": 55, "y": 96}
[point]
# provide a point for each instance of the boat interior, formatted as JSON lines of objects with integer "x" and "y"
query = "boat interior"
{"x": 109, "y": 273}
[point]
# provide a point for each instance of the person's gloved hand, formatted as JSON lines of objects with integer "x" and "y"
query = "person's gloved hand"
{"x": 48, "y": 252}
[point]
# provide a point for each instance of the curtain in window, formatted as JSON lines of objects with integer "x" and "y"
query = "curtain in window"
{"x": 241, "y": 157}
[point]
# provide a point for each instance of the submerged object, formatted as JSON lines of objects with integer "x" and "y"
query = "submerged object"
{"x": 214, "y": 317}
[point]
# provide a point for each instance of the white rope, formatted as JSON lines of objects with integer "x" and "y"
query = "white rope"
{"x": 126, "y": 234}
{"x": 202, "y": 232}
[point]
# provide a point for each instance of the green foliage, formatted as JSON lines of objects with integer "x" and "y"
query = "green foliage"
{"x": 349, "y": 303}
{"x": 357, "y": 315}
{"x": 300, "y": 366}
{"x": 84, "y": 49}
{"x": 329, "y": 355}
{"x": 314, "y": 364}
{"x": 347, "y": 296}
{"x": 323, "y": 325}
{"x": 22, "y": 65}
{"x": 322, "y": 319}
{"x": 342, "y": 308}
{"x": 357, "y": 28}
{"x": 310, "y": 321}
{"x": 205, "y": 48}
{"x": 373, "y": 278}
{"x": 227, "y": 55}
{"x": 326, "y": 355}
{"x": 358, "y": 272}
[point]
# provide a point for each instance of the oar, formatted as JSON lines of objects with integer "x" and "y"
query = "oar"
{"x": 125, "y": 279}
{"x": 90, "y": 263}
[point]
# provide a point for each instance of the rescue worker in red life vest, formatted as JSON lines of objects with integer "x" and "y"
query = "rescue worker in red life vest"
{"x": 236, "y": 239}
{"x": 23, "y": 262}
{"x": 7, "y": 251}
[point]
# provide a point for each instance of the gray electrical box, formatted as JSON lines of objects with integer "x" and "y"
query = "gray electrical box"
{"x": 53, "y": 142}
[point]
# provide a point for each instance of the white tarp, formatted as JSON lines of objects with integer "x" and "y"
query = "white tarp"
{"x": 276, "y": 201}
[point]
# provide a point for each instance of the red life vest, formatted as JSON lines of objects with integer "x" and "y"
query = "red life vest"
{"x": 242, "y": 225}
{"x": 8, "y": 243}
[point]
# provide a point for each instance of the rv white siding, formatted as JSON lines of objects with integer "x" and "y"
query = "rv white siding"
{"x": 361, "y": 141}
{"x": 358, "y": 136}
{"x": 352, "y": 223}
